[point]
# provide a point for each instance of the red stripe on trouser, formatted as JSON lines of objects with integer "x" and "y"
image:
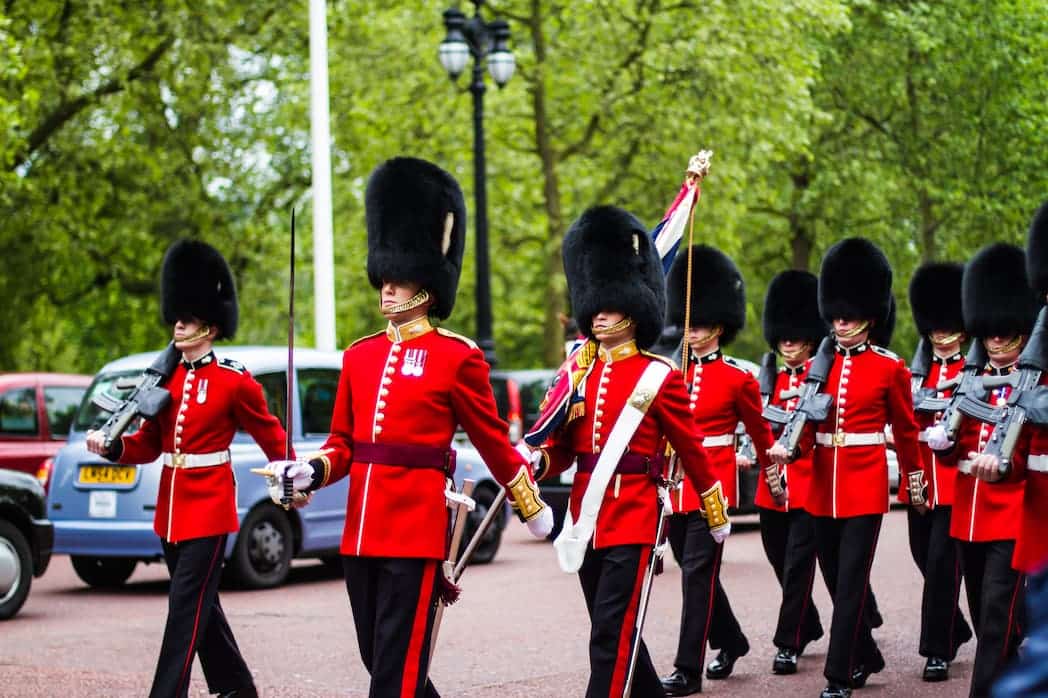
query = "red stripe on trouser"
{"x": 956, "y": 597}
{"x": 413, "y": 659}
{"x": 1011, "y": 620}
{"x": 804, "y": 608}
{"x": 712, "y": 601}
{"x": 622, "y": 658}
{"x": 196, "y": 618}
{"x": 862, "y": 604}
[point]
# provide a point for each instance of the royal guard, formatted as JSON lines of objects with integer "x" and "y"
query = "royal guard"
{"x": 999, "y": 310}
{"x": 935, "y": 298}
{"x": 211, "y": 399}
{"x": 848, "y": 496}
{"x": 1028, "y": 676}
{"x": 624, "y": 404}
{"x": 711, "y": 305}
{"x": 792, "y": 328}
{"x": 402, "y": 393}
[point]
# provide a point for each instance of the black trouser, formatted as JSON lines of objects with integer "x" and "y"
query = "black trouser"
{"x": 394, "y": 603}
{"x": 943, "y": 627}
{"x": 789, "y": 543}
{"x": 196, "y": 624}
{"x": 846, "y": 549}
{"x": 995, "y": 600}
{"x": 611, "y": 581}
{"x": 1029, "y": 675}
{"x": 706, "y": 613}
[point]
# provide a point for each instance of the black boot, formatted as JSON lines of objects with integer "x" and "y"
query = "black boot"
{"x": 785, "y": 662}
{"x": 723, "y": 664}
{"x": 681, "y": 683}
{"x": 936, "y": 669}
{"x": 835, "y": 690}
{"x": 246, "y": 692}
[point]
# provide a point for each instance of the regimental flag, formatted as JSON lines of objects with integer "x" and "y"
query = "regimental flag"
{"x": 668, "y": 233}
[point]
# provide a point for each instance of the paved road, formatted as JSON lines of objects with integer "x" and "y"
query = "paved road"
{"x": 520, "y": 629}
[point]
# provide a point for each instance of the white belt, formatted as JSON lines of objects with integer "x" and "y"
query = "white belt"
{"x": 840, "y": 438}
{"x": 964, "y": 466}
{"x": 196, "y": 460}
{"x": 721, "y": 440}
{"x": 1038, "y": 464}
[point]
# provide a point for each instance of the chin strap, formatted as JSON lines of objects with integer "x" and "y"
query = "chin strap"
{"x": 862, "y": 327}
{"x": 420, "y": 298}
{"x": 791, "y": 356}
{"x": 948, "y": 339}
{"x": 1007, "y": 348}
{"x": 198, "y": 336}
{"x": 619, "y": 326}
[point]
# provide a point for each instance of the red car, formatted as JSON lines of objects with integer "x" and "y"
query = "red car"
{"x": 36, "y": 410}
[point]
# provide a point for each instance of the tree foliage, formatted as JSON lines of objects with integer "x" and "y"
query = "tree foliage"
{"x": 124, "y": 126}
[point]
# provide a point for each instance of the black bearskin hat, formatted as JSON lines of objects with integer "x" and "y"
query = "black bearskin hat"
{"x": 611, "y": 264}
{"x": 1037, "y": 252}
{"x": 416, "y": 221}
{"x": 718, "y": 293}
{"x": 791, "y": 309}
{"x": 995, "y": 296}
{"x": 935, "y": 297}
{"x": 882, "y": 330}
{"x": 195, "y": 281}
{"x": 855, "y": 282}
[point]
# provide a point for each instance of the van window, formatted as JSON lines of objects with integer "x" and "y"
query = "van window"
{"x": 61, "y": 403}
{"x": 18, "y": 412}
{"x": 274, "y": 386}
{"x": 316, "y": 393}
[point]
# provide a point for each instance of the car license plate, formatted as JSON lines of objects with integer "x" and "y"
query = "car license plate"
{"x": 107, "y": 474}
{"x": 102, "y": 504}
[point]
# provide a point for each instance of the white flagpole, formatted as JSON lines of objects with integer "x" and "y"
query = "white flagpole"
{"x": 323, "y": 256}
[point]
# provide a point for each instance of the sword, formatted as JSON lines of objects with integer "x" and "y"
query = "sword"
{"x": 288, "y": 484}
{"x": 459, "y": 527}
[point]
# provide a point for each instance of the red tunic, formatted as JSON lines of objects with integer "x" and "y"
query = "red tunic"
{"x": 871, "y": 389}
{"x": 723, "y": 393}
{"x": 940, "y": 477}
{"x": 982, "y": 511}
{"x": 410, "y": 386}
{"x": 629, "y": 511}
{"x": 798, "y": 473}
{"x": 209, "y": 402}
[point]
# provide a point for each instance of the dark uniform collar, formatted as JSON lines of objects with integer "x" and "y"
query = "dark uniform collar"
{"x": 202, "y": 361}
{"x": 852, "y": 351}
{"x": 992, "y": 370}
{"x": 408, "y": 330}
{"x": 618, "y": 353}
{"x": 793, "y": 371}
{"x": 708, "y": 358}
{"x": 947, "y": 360}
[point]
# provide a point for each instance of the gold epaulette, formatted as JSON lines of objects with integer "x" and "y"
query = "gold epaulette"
{"x": 652, "y": 355}
{"x": 367, "y": 336}
{"x": 454, "y": 335}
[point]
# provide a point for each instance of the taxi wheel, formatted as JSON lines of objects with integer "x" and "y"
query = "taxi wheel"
{"x": 16, "y": 570}
{"x": 489, "y": 543}
{"x": 103, "y": 572}
{"x": 264, "y": 547}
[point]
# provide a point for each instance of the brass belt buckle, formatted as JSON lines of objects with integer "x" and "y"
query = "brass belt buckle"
{"x": 178, "y": 460}
{"x": 838, "y": 438}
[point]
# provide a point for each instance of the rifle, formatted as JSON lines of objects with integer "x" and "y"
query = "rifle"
{"x": 145, "y": 400}
{"x": 813, "y": 405}
{"x": 920, "y": 366}
{"x": 967, "y": 382}
{"x": 1027, "y": 401}
{"x": 773, "y": 414}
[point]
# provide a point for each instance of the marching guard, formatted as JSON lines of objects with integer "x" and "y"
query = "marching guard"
{"x": 935, "y": 299}
{"x": 793, "y": 328}
{"x": 211, "y": 399}
{"x": 402, "y": 393}
{"x": 848, "y": 497}
{"x": 999, "y": 310}
{"x": 625, "y": 403}
{"x": 722, "y": 393}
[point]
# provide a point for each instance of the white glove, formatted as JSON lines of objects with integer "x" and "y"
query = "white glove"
{"x": 937, "y": 439}
{"x": 532, "y": 457}
{"x": 721, "y": 534}
{"x": 542, "y": 525}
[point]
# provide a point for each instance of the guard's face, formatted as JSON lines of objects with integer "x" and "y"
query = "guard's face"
{"x": 946, "y": 341}
{"x": 190, "y": 331}
{"x": 1003, "y": 350}
{"x": 612, "y": 327}
{"x": 847, "y": 332}
{"x": 397, "y": 292}
{"x": 794, "y": 351}
{"x": 702, "y": 335}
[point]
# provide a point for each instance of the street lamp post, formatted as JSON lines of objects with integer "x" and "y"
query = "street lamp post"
{"x": 484, "y": 41}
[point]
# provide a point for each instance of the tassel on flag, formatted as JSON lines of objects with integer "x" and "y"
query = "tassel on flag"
{"x": 670, "y": 230}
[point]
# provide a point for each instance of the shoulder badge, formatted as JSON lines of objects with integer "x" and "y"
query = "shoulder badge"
{"x": 454, "y": 335}
{"x": 884, "y": 352}
{"x": 734, "y": 363}
{"x": 232, "y": 365}
{"x": 367, "y": 336}
{"x": 652, "y": 355}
